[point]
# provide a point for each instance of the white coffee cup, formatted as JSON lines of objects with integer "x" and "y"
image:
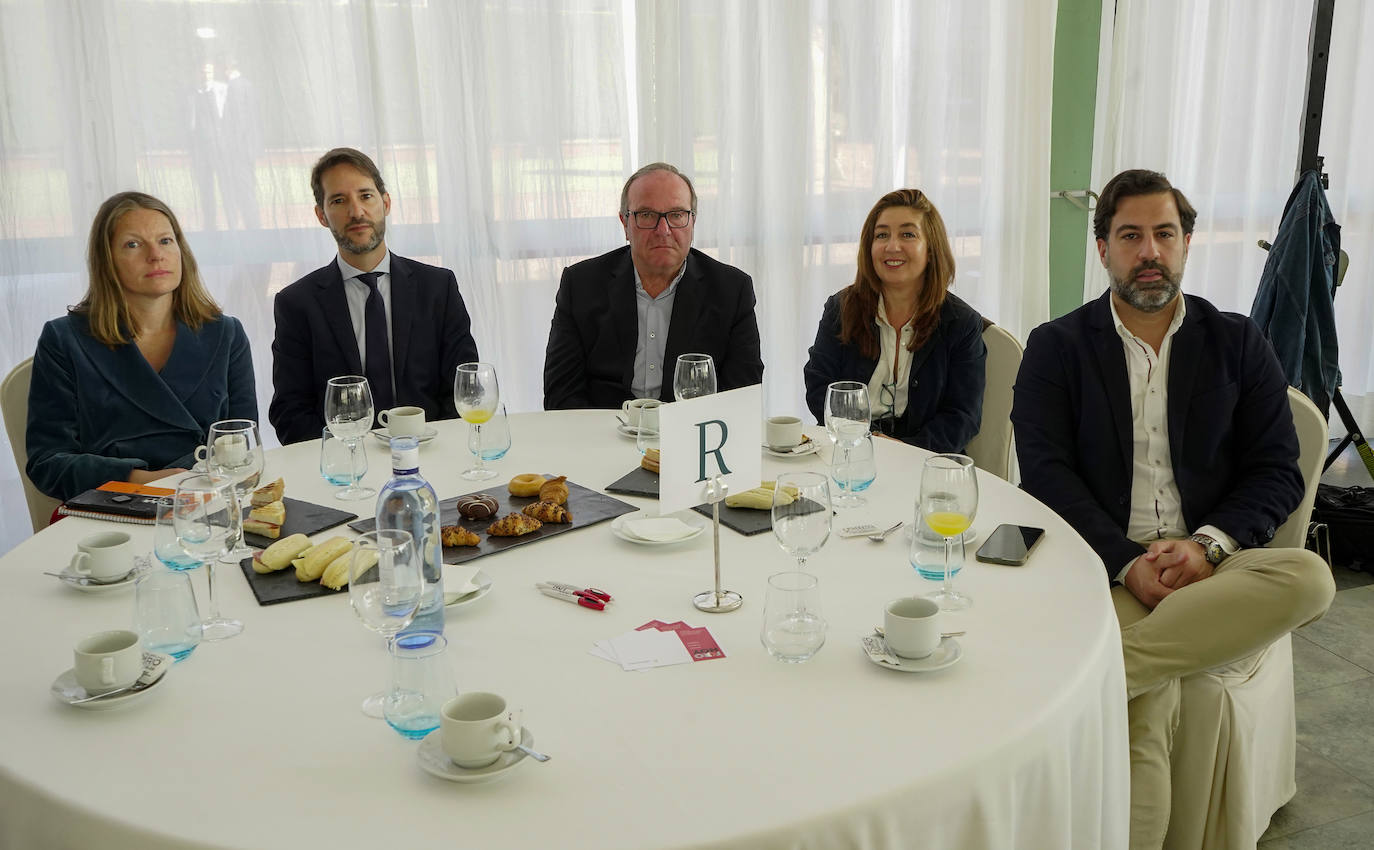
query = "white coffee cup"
{"x": 911, "y": 627}
{"x": 783, "y": 432}
{"x": 403, "y": 421}
{"x": 230, "y": 450}
{"x": 632, "y": 407}
{"x": 104, "y": 557}
{"x": 107, "y": 661}
{"x": 476, "y": 728}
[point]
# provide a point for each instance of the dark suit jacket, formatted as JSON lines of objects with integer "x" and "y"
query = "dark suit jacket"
{"x": 97, "y": 413}
{"x": 591, "y": 353}
{"x": 944, "y": 404}
{"x": 1231, "y": 435}
{"x": 430, "y": 335}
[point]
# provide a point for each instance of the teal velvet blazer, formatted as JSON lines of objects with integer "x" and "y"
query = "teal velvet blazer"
{"x": 96, "y": 413}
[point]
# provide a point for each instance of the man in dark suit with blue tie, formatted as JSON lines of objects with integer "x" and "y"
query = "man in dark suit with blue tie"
{"x": 400, "y": 323}
{"x": 621, "y": 320}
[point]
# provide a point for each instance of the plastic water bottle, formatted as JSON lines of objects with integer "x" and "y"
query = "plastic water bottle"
{"x": 408, "y": 503}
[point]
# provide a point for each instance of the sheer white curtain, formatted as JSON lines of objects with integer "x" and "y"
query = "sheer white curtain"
{"x": 504, "y": 131}
{"x": 1211, "y": 93}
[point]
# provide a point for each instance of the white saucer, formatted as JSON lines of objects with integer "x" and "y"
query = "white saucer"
{"x": 483, "y": 588}
{"x": 948, "y": 652}
{"x": 630, "y": 431}
{"x": 70, "y": 579}
{"x": 384, "y": 434}
{"x": 434, "y": 762}
{"x": 806, "y": 447}
{"x": 619, "y": 530}
{"x": 66, "y": 690}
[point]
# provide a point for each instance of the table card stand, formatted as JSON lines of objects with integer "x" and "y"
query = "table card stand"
{"x": 717, "y": 601}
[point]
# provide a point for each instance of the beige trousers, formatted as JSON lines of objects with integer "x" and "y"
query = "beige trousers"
{"x": 1255, "y": 597}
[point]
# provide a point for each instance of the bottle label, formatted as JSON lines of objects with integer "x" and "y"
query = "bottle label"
{"x": 405, "y": 460}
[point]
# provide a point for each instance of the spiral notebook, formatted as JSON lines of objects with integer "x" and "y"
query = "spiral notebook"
{"x": 117, "y": 501}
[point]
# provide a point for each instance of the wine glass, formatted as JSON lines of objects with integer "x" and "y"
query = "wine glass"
{"x": 847, "y": 413}
{"x": 204, "y": 506}
{"x": 348, "y": 413}
{"x": 384, "y": 588}
{"x": 801, "y": 514}
{"x": 166, "y": 547}
{"x": 476, "y": 394}
{"x": 694, "y": 377}
{"x": 853, "y": 471}
{"x": 233, "y": 450}
{"x": 949, "y": 502}
{"x": 493, "y": 440}
{"x": 647, "y": 435}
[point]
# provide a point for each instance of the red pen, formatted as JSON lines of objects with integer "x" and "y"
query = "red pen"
{"x": 577, "y": 599}
{"x": 589, "y": 592}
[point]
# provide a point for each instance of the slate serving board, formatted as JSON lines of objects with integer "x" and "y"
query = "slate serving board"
{"x": 305, "y": 518}
{"x": 588, "y": 508}
{"x": 748, "y": 521}
{"x": 281, "y": 586}
{"x": 637, "y": 482}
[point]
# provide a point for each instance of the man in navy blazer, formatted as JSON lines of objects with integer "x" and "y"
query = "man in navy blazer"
{"x": 1159, "y": 428}
{"x": 621, "y": 319}
{"x": 399, "y": 322}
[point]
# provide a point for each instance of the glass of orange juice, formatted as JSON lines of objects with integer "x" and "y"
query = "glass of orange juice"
{"x": 948, "y": 504}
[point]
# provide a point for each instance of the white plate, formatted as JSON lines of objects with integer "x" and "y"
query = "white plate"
{"x": 483, "y": 588}
{"x": 948, "y": 652}
{"x": 435, "y": 763}
{"x": 630, "y": 431}
{"x": 808, "y": 446}
{"x": 619, "y": 530}
{"x": 384, "y": 434}
{"x": 65, "y": 689}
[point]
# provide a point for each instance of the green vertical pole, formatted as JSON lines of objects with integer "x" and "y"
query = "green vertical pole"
{"x": 1076, "y": 34}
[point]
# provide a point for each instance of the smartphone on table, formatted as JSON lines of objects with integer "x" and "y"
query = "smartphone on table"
{"x": 1010, "y": 545}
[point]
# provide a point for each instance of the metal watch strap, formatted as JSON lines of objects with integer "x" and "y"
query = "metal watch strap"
{"x": 1211, "y": 548}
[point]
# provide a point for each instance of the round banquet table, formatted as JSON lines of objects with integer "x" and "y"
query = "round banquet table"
{"x": 258, "y": 742}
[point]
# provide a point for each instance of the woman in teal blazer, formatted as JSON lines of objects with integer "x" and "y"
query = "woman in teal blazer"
{"x": 126, "y": 385}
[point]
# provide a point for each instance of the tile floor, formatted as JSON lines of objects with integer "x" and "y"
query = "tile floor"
{"x": 1333, "y": 667}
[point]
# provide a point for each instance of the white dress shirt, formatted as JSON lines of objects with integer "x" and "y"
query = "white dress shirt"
{"x": 1156, "y": 506}
{"x": 356, "y": 292}
{"x": 891, "y": 348}
{"x": 655, "y": 316}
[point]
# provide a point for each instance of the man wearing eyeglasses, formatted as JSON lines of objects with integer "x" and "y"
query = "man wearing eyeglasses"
{"x": 621, "y": 319}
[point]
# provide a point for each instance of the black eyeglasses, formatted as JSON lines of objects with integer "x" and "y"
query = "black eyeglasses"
{"x": 887, "y": 422}
{"x": 649, "y": 219}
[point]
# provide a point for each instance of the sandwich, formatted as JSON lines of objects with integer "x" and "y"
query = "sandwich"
{"x": 266, "y": 521}
{"x": 269, "y": 493}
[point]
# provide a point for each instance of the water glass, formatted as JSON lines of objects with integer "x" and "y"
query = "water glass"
{"x": 166, "y": 547}
{"x": 793, "y": 628}
{"x": 801, "y": 525}
{"x": 165, "y": 613}
{"x": 647, "y": 433}
{"x": 927, "y": 553}
{"x": 694, "y": 376}
{"x": 853, "y": 470}
{"x": 492, "y": 440}
{"x": 339, "y": 465}
{"x": 421, "y": 682}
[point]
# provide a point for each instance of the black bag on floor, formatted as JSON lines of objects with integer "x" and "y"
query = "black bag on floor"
{"x": 1348, "y": 513}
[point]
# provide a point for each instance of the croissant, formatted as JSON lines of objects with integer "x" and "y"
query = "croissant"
{"x": 554, "y": 490}
{"x": 456, "y": 535}
{"x": 514, "y": 525}
{"x": 548, "y": 512}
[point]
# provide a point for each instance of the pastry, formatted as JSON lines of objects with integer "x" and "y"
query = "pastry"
{"x": 311, "y": 563}
{"x": 514, "y": 525}
{"x": 456, "y": 535}
{"x": 526, "y": 484}
{"x": 337, "y": 574}
{"x": 547, "y": 512}
{"x": 555, "y": 490}
{"x": 266, "y": 521}
{"x": 269, "y": 493}
{"x": 477, "y": 506}
{"x": 650, "y": 460}
{"x": 278, "y": 556}
{"x": 761, "y": 498}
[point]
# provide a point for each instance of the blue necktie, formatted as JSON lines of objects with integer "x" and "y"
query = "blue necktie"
{"x": 378, "y": 367}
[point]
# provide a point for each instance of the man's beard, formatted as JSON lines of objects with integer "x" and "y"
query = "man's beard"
{"x": 346, "y": 244}
{"x": 1154, "y": 299}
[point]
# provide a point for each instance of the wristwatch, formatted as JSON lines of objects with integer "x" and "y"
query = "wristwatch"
{"x": 1211, "y": 549}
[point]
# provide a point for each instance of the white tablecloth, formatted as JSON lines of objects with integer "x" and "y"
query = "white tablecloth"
{"x": 257, "y": 742}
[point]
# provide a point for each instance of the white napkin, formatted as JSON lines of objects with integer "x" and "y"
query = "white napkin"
{"x": 658, "y": 529}
{"x": 458, "y": 581}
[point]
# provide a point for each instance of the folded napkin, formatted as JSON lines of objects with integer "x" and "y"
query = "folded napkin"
{"x": 659, "y": 529}
{"x": 458, "y": 581}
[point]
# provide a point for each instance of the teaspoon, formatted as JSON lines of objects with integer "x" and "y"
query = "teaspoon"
{"x": 534, "y": 754}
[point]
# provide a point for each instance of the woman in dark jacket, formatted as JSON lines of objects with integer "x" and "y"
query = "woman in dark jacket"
{"x": 898, "y": 329}
{"x": 126, "y": 385}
